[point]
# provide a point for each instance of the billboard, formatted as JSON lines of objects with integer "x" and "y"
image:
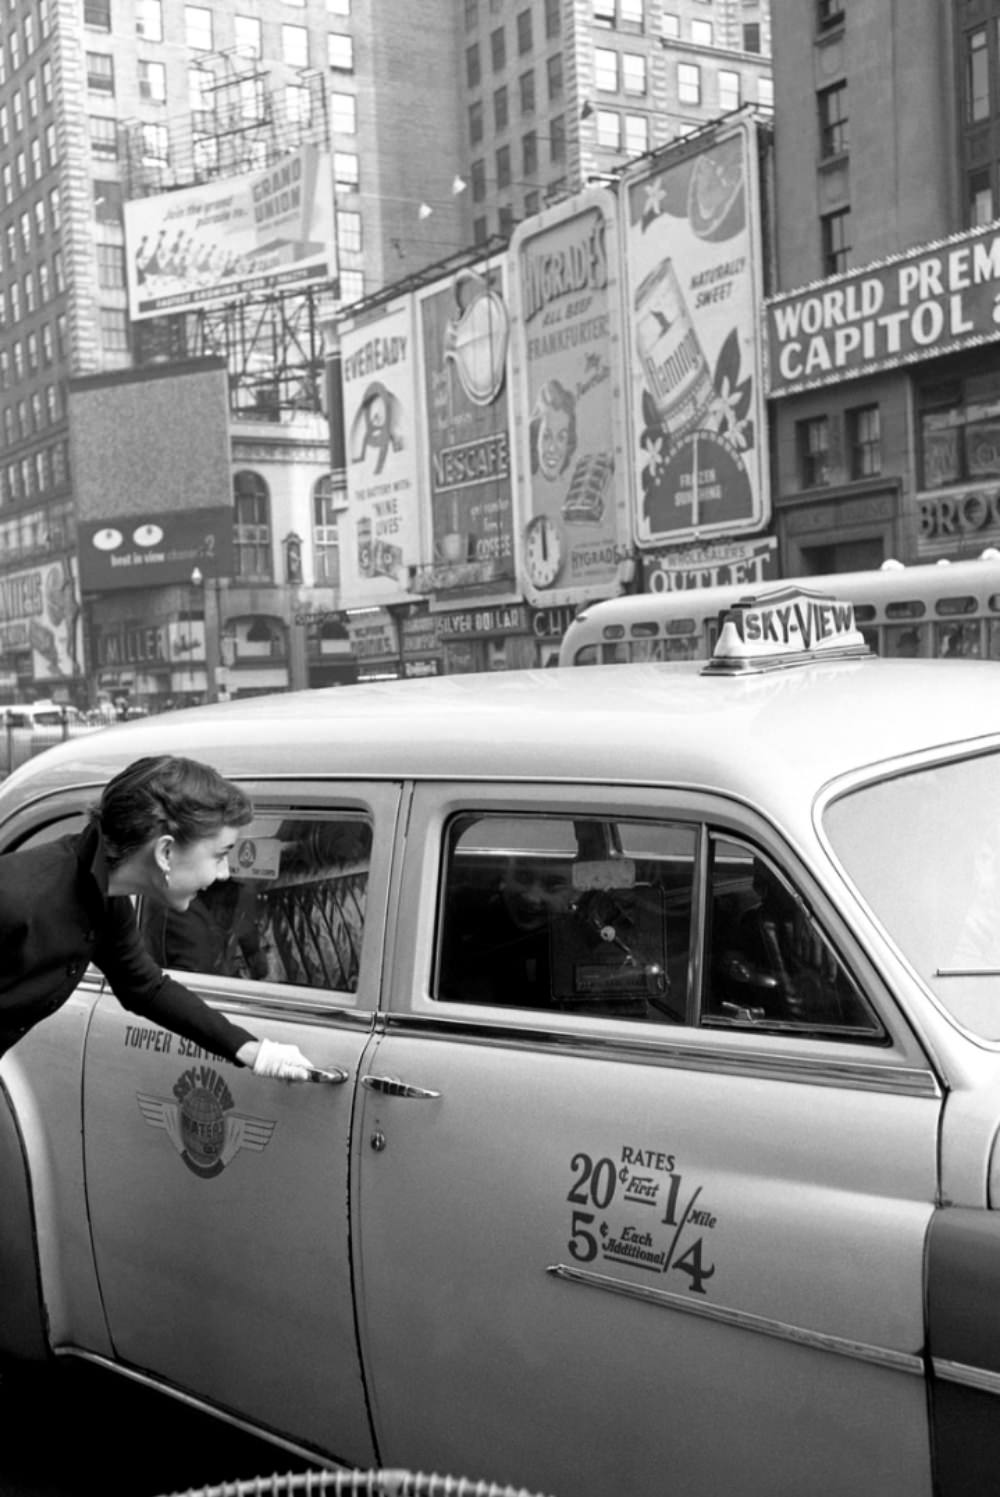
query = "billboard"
{"x": 380, "y": 534}
{"x": 154, "y": 549}
{"x": 464, "y": 332}
{"x": 572, "y": 526}
{"x": 40, "y": 612}
{"x": 232, "y": 235}
{"x": 929, "y": 301}
{"x": 692, "y": 260}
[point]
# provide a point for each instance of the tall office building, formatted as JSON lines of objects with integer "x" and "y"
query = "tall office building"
{"x": 883, "y": 355}
{"x": 105, "y": 104}
{"x": 558, "y": 93}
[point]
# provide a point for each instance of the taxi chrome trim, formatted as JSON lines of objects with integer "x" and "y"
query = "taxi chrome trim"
{"x": 278, "y": 1009}
{"x": 744, "y": 1320}
{"x": 969, "y": 1377}
{"x": 863, "y": 1074}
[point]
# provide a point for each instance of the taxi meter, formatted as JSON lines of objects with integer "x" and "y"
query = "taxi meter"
{"x": 784, "y": 628}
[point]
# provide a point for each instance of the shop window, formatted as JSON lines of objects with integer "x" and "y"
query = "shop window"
{"x": 835, "y": 240}
{"x": 813, "y": 438}
{"x": 291, "y": 912}
{"x": 833, "y": 137}
{"x": 864, "y": 432}
{"x": 959, "y": 426}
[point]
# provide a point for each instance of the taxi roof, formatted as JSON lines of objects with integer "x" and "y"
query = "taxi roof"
{"x": 772, "y": 739}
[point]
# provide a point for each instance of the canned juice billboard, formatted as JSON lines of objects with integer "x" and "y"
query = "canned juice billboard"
{"x": 573, "y": 519}
{"x": 464, "y": 329}
{"x": 696, "y": 421}
{"x": 380, "y": 533}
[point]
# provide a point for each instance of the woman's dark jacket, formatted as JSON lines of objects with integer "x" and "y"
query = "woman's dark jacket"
{"x": 56, "y": 916}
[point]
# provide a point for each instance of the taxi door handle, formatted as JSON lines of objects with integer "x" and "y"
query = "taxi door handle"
{"x": 335, "y": 1076}
{"x": 391, "y": 1086}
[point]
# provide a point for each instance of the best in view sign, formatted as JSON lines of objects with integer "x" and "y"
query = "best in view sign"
{"x": 930, "y": 301}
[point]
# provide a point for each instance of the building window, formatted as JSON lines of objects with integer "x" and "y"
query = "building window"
{"x": 475, "y": 122}
{"x": 349, "y": 240}
{"x": 352, "y": 286}
{"x": 503, "y": 166}
{"x": 340, "y": 52}
{"x": 606, "y": 70}
{"x": 295, "y": 46}
{"x": 636, "y": 134}
{"x": 346, "y": 170}
{"x": 702, "y": 33}
{"x": 471, "y": 14}
{"x": 198, "y": 28}
{"x": 814, "y": 451}
{"x": 524, "y": 40}
{"x": 557, "y": 139}
{"x": 149, "y": 20}
{"x": 343, "y": 114}
{"x": 554, "y": 73}
{"x": 604, "y": 13}
{"x": 959, "y": 420}
{"x": 153, "y": 82}
{"x": 110, "y": 267}
{"x": 689, "y": 83}
{"x": 529, "y": 154}
{"x": 829, "y": 13}
{"x": 609, "y": 129}
{"x": 765, "y": 93}
{"x": 103, "y": 137}
{"x": 835, "y": 240}
{"x": 977, "y": 76}
{"x": 498, "y": 49}
{"x": 864, "y": 429}
{"x": 114, "y": 329}
{"x": 633, "y": 73}
{"x": 532, "y": 203}
{"x": 47, "y": 81}
{"x": 100, "y": 73}
{"x": 338, "y": 7}
{"x": 479, "y": 231}
{"x": 751, "y": 36}
{"x": 473, "y": 67}
{"x": 553, "y": 18}
{"x": 505, "y": 221}
{"x": 833, "y": 134}
{"x": 326, "y": 540}
{"x": 526, "y": 84}
{"x": 246, "y": 30}
{"x": 97, "y": 13}
{"x": 670, "y": 26}
{"x": 251, "y": 527}
{"x": 478, "y": 181}
{"x": 729, "y": 89}
{"x": 980, "y": 209}
{"x": 632, "y": 15}
{"x": 500, "y": 111}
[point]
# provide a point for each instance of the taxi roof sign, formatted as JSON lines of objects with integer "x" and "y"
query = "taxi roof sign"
{"x": 790, "y": 626}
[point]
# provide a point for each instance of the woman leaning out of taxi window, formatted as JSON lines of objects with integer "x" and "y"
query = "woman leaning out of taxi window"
{"x": 163, "y": 828}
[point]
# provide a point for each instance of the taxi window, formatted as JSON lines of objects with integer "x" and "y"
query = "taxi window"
{"x": 292, "y": 910}
{"x": 569, "y": 915}
{"x": 768, "y": 964}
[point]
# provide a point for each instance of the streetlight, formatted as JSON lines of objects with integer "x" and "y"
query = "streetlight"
{"x": 211, "y": 598}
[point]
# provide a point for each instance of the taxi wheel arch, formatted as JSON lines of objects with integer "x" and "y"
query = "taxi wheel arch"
{"x": 22, "y": 1313}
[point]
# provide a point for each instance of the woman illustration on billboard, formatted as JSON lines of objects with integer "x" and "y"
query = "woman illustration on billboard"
{"x": 552, "y": 432}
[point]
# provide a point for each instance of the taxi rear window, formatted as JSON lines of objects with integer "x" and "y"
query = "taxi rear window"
{"x": 923, "y": 851}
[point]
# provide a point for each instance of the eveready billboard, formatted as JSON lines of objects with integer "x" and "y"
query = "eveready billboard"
{"x": 230, "y": 236}
{"x": 691, "y": 246}
{"x": 932, "y": 300}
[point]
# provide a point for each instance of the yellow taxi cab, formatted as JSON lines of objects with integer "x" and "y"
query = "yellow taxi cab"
{"x": 659, "y": 1148}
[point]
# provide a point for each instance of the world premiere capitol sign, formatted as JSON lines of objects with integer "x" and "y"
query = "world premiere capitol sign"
{"x": 932, "y": 300}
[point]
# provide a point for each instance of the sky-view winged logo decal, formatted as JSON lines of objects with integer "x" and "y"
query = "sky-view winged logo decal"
{"x": 200, "y": 1122}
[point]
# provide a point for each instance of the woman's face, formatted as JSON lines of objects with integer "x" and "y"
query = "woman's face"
{"x": 553, "y": 441}
{"x": 196, "y": 865}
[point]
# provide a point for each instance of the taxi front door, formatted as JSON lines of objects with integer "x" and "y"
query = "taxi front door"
{"x": 594, "y": 1258}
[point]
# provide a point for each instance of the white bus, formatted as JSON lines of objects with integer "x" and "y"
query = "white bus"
{"x": 947, "y": 609}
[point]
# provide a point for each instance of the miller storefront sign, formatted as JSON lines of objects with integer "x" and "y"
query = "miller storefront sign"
{"x": 927, "y": 302}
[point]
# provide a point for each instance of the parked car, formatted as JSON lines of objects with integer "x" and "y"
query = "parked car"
{"x": 661, "y": 1010}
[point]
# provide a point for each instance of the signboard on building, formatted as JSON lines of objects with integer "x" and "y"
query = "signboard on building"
{"x": 380, "y": 531}
{"x": 693, "y": 297}
{"x": 155, "y": 549}
{"x": 929, "y": 301}
{"x": 231, "y": 236}
{"x": 715, "y": 564}
{"x": 464, "y": 330}
{"x": 40, "y": 615}
{"x": 692, "y": 237}
{"x": 572, "y": 524}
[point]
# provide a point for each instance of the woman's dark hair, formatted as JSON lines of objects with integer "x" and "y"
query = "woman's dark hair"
{"x": 163, "y": 794}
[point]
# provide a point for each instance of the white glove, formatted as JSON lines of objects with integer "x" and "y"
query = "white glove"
{"x": 282, "y": 1062}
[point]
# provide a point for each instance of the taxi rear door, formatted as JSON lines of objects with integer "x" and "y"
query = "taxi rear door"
{"x": 219, "y": 1200}
{"x": 601, "y": 1255}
